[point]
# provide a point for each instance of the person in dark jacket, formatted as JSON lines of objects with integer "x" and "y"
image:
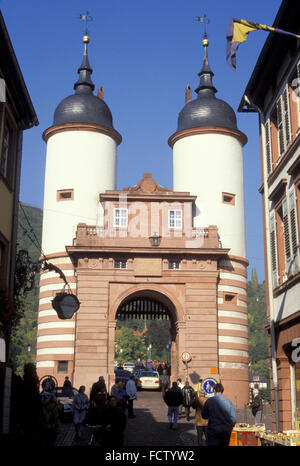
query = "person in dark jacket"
{"x": 114, "y": 421}
{"x": 188, "y": 394}
{"x": 221, "y": 417}
{"x": 173, "y": 399}
{"x": 164, "y": 382}
{"x": 256, "y": 407}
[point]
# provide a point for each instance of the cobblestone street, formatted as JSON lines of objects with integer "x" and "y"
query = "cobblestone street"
{"x": 151, "y": 426}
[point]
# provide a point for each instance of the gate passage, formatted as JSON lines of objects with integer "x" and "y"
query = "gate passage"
{"x": 145, "y": 308}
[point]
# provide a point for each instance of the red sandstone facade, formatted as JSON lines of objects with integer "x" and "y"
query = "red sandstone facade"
{"x": 205, "y": 297}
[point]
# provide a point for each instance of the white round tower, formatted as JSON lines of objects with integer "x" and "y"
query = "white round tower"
{"x": 80, "y": 164}
{"x": 208, "y": 163}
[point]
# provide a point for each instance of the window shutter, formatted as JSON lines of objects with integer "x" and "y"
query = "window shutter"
{"x": 280, "y": 126}
{"x": 286, "y": 117}
{"x": 287, "y": 246}
{"x": 268, "y": 147}
{"x": 298, "y": 91}
{"x": 294, "y": 232}
{"x": 273, "y": 249}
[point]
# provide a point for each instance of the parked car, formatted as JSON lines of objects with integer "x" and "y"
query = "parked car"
{"x": 128, "y": 366}
{"x": 148, "y": 380}
{"x": 65, "y": 403}
{"x": 123, "y": 375}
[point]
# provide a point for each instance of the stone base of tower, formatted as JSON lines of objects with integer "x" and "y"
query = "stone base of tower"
{"x": 236, "y": 386}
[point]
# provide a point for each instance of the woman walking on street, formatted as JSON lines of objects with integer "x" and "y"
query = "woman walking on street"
{"x": 80, "y": 406}
{"x": 200, "y": 423}
{"x": 188, "y": 398}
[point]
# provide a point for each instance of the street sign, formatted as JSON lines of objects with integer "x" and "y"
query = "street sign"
{"x": 208, "y": 386}
{"x": 186, "y": 356}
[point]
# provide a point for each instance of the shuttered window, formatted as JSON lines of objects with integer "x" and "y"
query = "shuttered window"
{"x": 283, "y": 121}
{"x": 297, "y": 91}
{"x": 286, "y": 229}
{"x": 273, "y": 249}
{"x": 294, "y": 232}
{"x": 268, "y": 147}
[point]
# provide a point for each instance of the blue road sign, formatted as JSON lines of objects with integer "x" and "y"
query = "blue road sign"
{"x": 208, "y": 386}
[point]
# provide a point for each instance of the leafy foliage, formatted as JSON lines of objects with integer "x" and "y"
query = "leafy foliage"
{"x": 24, "y": 335}
{"x": 129, "y": 347}
{"x": 158, "y": 335}
{"x": 258, "y": 340}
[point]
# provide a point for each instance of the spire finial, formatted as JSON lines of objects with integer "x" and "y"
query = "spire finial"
{"x": 84, "y": 82}
{"x": 205, "y": 74}
{"x": 205, "y": 42}
{"x": 86, "y": 37}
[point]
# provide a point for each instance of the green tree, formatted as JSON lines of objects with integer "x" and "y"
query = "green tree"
{"x": 129, "y": 347}
{"x": 258, "y": 339}
{"x": 24, "y": 335}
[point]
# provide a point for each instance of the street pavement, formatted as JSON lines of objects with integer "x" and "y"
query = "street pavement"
{"x": 150, "y": 427}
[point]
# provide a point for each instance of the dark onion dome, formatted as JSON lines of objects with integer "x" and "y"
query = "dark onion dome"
{"x": 206, "y": 109}
{"x": 83, "y": 106}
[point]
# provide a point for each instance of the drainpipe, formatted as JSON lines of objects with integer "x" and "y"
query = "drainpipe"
{"x": 269, "y": 266}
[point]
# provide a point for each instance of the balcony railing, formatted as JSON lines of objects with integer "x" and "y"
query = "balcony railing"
{"x": 97, "y": 236}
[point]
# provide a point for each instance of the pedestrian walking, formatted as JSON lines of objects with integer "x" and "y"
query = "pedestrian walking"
{"x": 67, "y": 388}
{"x": 114, "y": 421}
{"x": 50, "y": 421}
{"x": 256, "y": 407}
{"x": 98, "y": 394}
{"x": 198, "y": 388}
{"x": 200, "y": 423}
{"x": 132, "y": 393}
{"x": 173, "y": 399}
{"x": 188, "y": 394}
{"x": 80, "y": 407}
{"x": 164, "y": 381}
{"x": 121, "y": 396}
{"x": 221, "y": 417}
{"x": 180, "y": 385}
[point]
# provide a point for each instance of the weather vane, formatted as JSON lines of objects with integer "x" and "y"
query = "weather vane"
{"x": 86, "y": 18}
{"x": 203, "y": 19}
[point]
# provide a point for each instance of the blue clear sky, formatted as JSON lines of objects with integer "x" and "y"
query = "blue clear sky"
{"x": 143, "y": 52}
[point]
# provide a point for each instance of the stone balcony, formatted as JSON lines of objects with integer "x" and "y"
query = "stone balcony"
{"x": 92, "y": 236}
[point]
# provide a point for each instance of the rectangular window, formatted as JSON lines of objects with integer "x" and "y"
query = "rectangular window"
{"x": 174, "y": 265}
{"x": 5, "y": 150}
{"x": 228, "y": 198}
{"x": 120, "y": 217}
{"x": 62, "y": 367}
{"x": 283, "y": 121}
{"x": 4, "y": 246}
{"x": 268, "y": 147}
{"x": 273, "y": 250}
{"x": 120, "y": 264}
{"x": 65, "y": 195}
{"x": 175, "y": 219}
{"x": 294, "y": 219}
{"x": 230, "y": 298}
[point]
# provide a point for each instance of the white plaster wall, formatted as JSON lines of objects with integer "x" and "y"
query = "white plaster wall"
{"x": 207, "y": 165}
{"x": 287, "y": 303}
{"x": 84, "y": 161}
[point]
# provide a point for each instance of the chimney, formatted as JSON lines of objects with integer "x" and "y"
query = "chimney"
{"x": 100, "y": 93}
{"x": 188, "y": 93}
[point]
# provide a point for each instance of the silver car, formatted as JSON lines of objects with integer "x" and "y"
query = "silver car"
{"x": 148, "y": 380}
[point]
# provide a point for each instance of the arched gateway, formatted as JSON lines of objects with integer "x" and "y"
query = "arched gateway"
{"x": 151, "y": 302}
{"x": 182, "y": 247}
